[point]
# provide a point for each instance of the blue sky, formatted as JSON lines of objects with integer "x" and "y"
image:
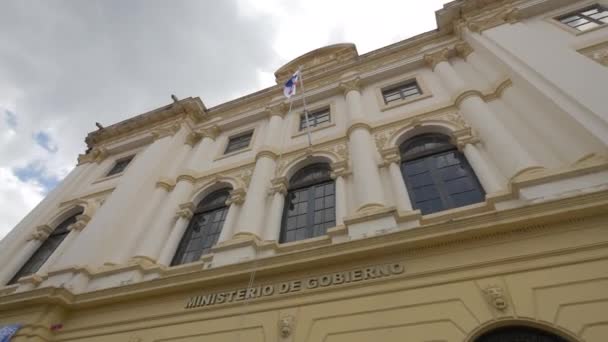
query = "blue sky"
{"x": 65, "y": 65}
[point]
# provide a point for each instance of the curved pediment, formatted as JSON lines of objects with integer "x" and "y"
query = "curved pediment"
{"x": 319, "y": 60}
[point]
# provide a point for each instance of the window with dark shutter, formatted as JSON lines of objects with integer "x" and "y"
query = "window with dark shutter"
{"x": 204, "y": 228}
{"x": 45, "y": 250}
{"x": 401, "y": 92}
{"x": 238, "y": 142}
{"x": 119, "y": 166}
{"x": 437, "y": 175}
{"x": 315, "y": 118}
{"x": 309, "y": 205}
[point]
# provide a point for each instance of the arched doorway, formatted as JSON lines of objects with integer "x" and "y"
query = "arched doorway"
{"x": 519, "y": 334}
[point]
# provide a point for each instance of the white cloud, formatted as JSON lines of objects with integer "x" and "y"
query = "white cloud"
{"x": 65, "y": 64}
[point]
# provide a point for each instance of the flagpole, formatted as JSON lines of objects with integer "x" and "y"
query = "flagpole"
{"x": 305, "y": 110}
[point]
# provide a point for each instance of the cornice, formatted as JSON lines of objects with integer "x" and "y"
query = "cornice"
{"x": 434, "y": 58}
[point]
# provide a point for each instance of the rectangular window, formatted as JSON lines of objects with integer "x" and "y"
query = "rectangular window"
{"x": 315, "y": 118}
{"x": 586, "y": 18}
{"x": 120, "y": 165}
{"x": 401, "y": 92}
{"x": 238, "y": 142}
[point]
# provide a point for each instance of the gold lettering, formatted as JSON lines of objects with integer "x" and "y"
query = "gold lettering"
{"x": 220, "y": 298}
{"x": 338, "y": 278}
{"x": 240, "y": 294}
{"x": 325, "y": 280}
{"x": 311, "y": 283}
{"x": 369, "y": 273}
{"x": 295, "y": 286}
{"x": 267, "y": 290}
{"x": 397, "y": 268}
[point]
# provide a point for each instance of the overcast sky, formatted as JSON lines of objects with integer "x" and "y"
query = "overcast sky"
{"x": 66, "y": 64}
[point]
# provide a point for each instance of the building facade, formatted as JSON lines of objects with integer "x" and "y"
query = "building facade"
{"x": 455, "y": 189}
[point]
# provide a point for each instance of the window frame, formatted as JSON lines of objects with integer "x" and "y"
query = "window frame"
{"x": 312, "y": 116}
{"x": 203, "y": 208}
{"x": 438, "y": 180}
{"x": 310, "y": 188}
{"x": 554, "y": 18}
{"x": 128, "y": 159}
{"x": 297, "y": 115}
{"x": 60, "y": 232}
{"x": 424, "y": 91}
{"x": 249, "y": 132}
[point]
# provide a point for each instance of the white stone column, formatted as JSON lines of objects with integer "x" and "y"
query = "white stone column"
{"x": 251, "y": 218}
{"x": 156, "y": 235}
{"x": 183, "y": 215}
{"x": 392, "y": 159}
{"x": 91, "y": 247}
{"x": 201, "y": 155}
{"x": 278, "y": 190}
{"x": 237, "y": 197}
{"x": 369, "y": 193}
{"x": 491, "y": 180}
{"x": 479, "y": 115}
{"x": 8, "y": 270}
{"x": 338, "y": 173}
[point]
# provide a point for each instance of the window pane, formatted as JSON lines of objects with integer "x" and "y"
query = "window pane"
{"x": 587, "y": 26}
{"x": 119, "y": 166}
{"x": 591, "y": 11}
{"x": 578, "y": 22}
{"x": 400, "y": 92}
{"x": 238, "y": 142}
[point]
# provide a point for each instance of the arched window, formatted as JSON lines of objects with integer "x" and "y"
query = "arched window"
{"x": 519, "y": 334}
{"x": 46, "y": 249}
{"x": 309, "y": 205}
{"x": 437, "y": 175}
{"x": 204, "y": 228}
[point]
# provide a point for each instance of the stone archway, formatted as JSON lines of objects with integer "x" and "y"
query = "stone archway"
{"x": 519, "y": 334}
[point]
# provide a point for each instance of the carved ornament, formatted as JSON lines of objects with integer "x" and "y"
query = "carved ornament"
{"x": 354, "y": 84}
{"x": 506, "y": 15}
{"x": 185, "y": 211}
{"x": 495, "y": 295}
{"x": 463, "y": 49}
{"x": 390, "y": 155}
{"x": 237, "y": 196}
{"x": 339, "y": 169}
{"x": 279, "y": 110}
{"x": 163, "y": 132}
{"x": 278, "y": 185}
{"x": 432, "y": 59}
{"x": 97, "y": 155}
{"x": 286, "y": 324}
{"x": 42, "y": 233}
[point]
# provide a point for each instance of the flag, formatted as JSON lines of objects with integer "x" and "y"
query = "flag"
{"x": 7, "y": 331}
{"x": 289, "y": 89}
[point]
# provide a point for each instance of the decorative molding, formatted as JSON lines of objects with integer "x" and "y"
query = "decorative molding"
{"x": 186, "y": 177}
{"x": 42, "y": 233}
{"x": 278, "y": 185}
{"x": 192, "y": 139}
{"x": 339, "y": 169}
{"x": 390, "y": 155}
{"x": 467, "y": 93}
{"x": 463, "y": 49}
{"x": 165, "y": 183}
{"x": 286, "y": 324}
{"x": 505, "y": 15}
{"x": 210, "y": 132}
{"x": 432, "y": 59}
{"x": 495, "y": 295}
{"x": 350, "y": 85}
{"x": 335, "y": 151}
{"x": 597, "y": 52}
{"x": 185, "y": 211}
{"x": 237, "y": 196}
{"x": 268, "y": 152}
{"x": 279, "y": 110}
{"x": 96, "y": 154}
{"x": 163, "y": 132}
{"x": 356, "y": 125}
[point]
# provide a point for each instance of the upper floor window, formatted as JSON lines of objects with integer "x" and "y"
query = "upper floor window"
{"x": 403, "y": 91}
{"x": 437, "y": 175}
{"x": 315, "y": 118}
{"x": 238, "y": 142}
{"x": 120, "y": 165}
{"x": 586, "y": 18}
{"x": 45, "y": 250}
{"x": 309, "y": 205}
{"x": 204, "y": 228}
